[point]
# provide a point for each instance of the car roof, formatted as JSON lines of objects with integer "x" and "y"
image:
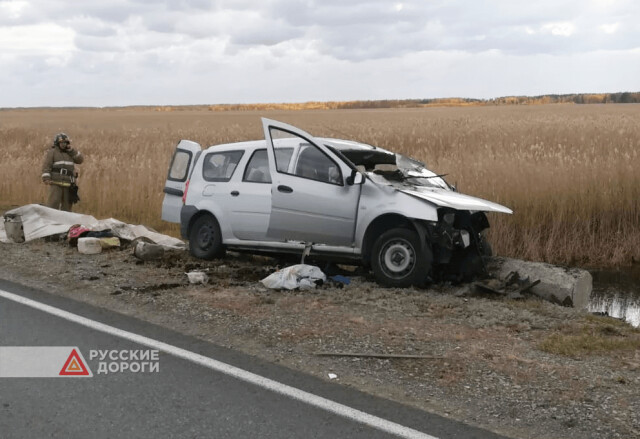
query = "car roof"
{"x": 339, "y": 144}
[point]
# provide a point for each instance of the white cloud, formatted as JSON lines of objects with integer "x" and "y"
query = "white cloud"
{"x": 194, "y": 51}
{"x": 564, "y": 29}
{"x": 44, "y": 39}
{"x": 609, "y": 28}
{"x": 14, "y": 9}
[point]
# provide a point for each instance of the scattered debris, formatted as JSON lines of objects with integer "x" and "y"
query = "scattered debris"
{"x": 296, "y": 276}
{"x": 147, "y": 251}
{"x": 197, "y": 277}
{"x": 89, "y": 246}
{"x": 14, "y": 228}
{"x": 512, "y": 286}
{"x": 344, "y": 280}
{"x": 41, "y": 221}
{"x": 111, "y": 242}
{"x": 332, "y": 376}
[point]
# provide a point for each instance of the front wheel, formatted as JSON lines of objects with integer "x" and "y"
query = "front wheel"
{"x": 399, "y": 260}
{"x": 205, "y": 239}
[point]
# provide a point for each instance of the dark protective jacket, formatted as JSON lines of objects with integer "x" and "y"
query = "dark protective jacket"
{"x": 59, "y": 165}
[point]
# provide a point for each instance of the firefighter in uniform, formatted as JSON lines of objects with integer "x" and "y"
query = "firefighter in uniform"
{"x": 58, "y": 171}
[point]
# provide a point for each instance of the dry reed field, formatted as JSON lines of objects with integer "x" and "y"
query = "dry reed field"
{"x": 571, "y": 173}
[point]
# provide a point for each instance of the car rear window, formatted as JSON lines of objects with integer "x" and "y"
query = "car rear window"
{"x": 179, "y": 165}
{"x": 220, "y": 166}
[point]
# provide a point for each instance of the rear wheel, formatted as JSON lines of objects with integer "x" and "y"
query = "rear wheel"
{"x": 205, "y": 239}
{"x": 398, "y": 259}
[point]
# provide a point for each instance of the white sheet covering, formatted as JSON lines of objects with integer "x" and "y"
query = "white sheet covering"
{"x": 40, "y": 221}
{"x": 301, "y": 276}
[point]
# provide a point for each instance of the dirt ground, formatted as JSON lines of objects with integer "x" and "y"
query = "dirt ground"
{"x": 485, "y": 364}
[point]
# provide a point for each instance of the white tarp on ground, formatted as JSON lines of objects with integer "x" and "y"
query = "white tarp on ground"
{"x": 296, "y": 276}
{"x": 40, "y": 221}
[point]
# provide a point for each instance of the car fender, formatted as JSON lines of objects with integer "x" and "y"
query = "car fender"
{"x": 392, "y": 203}
{"x": 210, "y": 207}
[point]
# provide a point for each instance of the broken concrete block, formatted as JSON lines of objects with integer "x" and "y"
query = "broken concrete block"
{"x": 147, "y": 251}
{"x": 565, "y": 286}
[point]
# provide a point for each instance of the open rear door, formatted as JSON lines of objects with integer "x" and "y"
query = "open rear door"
{"x": 311, "y": 200}
{"x": 180, "y": 168}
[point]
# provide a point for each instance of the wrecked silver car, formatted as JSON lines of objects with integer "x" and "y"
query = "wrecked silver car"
{"x": 334, "y": 199}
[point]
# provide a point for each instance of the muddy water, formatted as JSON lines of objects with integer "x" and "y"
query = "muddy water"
{"x": 617, "y": 293}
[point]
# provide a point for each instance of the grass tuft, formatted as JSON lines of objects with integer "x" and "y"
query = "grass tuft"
{"x": 595, "y": 335}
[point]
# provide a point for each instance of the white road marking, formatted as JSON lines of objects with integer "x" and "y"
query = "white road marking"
{"x": 241, "y": 374}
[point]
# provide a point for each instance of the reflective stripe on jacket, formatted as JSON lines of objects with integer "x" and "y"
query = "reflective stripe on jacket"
{"x": 59, "y": 165}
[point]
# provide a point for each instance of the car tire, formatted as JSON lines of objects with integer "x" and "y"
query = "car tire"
{"x": 205, "y": 239}
{"x": 399, "y": 260}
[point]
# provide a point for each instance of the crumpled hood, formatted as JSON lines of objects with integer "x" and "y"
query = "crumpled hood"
{"x": 456, "y": 200}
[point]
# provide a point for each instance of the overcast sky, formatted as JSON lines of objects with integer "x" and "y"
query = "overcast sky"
{"x": 128, "y": 52}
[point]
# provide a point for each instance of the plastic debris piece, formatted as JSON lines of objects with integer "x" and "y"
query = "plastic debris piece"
{"x": 110, "y": 242}
{"x": 14, "y": 228}
{"x": 296, "y": 276}
{"x": 89, "y": 246}
{"x": 198, "y": 277}
{"x": 341, "y": 279}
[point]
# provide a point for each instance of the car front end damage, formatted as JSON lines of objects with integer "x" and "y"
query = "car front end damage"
{"x": 457, "y": 244}
{"x": 449, "y": 225}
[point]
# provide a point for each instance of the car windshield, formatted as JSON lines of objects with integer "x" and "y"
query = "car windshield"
{"x": 416, "y": 173}
{"x": 385, "y": 167}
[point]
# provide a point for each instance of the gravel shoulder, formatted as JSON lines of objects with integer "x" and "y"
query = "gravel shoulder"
{"x": 492, "y": 362}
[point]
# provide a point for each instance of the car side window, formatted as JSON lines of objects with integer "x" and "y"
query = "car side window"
{"x": 219, "y": 166}
{"x": 283, "y": 157}
{"x": 314, "y": 164}
{"x": 257, "y": 170}
{"x": 311, "y": 162}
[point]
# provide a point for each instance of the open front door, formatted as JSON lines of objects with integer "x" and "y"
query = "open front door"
{"x": 180, "y": 168}
{"x": 310, "y": 198}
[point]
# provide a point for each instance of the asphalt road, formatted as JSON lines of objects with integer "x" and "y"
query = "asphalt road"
{"x": 184, "y": 398}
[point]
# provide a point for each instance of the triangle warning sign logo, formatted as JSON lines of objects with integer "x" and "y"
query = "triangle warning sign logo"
{"x": 74, "y": 366}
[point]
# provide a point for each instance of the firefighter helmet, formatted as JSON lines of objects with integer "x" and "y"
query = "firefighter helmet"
{"x": 61, "y": 138}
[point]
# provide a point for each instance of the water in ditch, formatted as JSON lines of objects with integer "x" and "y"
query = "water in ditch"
{"x": 617, "y": 294}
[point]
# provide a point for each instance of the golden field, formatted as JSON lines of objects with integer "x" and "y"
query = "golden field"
{"x": 571, "y": 173}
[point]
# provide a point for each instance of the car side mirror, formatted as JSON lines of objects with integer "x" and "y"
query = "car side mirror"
{"x": 355, "y": 178}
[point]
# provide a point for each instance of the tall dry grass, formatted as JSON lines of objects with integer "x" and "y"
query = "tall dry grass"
{"x": 571, "y": 173}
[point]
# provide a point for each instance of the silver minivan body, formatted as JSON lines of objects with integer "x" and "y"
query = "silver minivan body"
{"x": 338, "y": 198}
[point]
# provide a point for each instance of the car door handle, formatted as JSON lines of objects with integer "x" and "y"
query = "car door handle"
{"x": 173, "y": 191}
{"x": 285, "y": 189}
{"x": 235, "y": 193}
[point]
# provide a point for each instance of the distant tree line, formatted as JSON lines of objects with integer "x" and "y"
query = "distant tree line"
{"x": 579, "y": 98}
